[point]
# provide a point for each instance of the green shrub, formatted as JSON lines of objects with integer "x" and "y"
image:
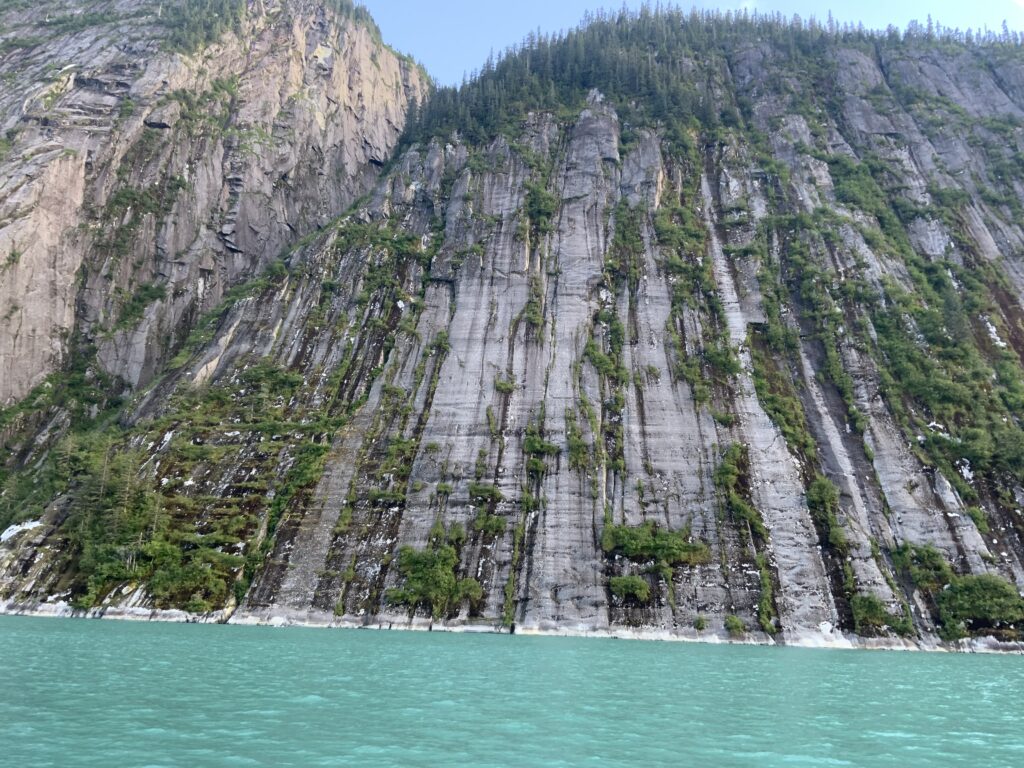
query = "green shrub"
{"x": 440, "y": 345}
{"x": 536, "y": 467}
{"x": 647, "y": 542}
{"x": 926, "y": 566}
{"x": 970, "y": 604}
{"x": 870, "y": 615}
{"x": 579, "y": 451}
{"x": 534, "y": 310}
{"x": 777, "y": 396}
{"x": 540, "y": 207}
{"x": 133, "y": 309}
{"x": 484, "y": 493}
{"x": 980, "y": 520}
{"x": 948, "y": 197}
{"x": 489, "y": 525}
{"x": 724, "y": 419}
{"x": 727, "y": 478}
{"x": 504, "y": 386}
{"x": 823, "y": 502}
{"x": 535, "y": 445}
{"x": 734, "y": 626}
{"x": 973, "y": 603}
{"x": 429, "y": 579}
{"x": 766, "y": 604}
{"x": 626, "y": 252}
{"x": 630, "y": 588}
{"x": 605, "y": 364}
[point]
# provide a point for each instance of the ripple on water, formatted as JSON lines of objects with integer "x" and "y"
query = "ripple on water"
{"x": 100, "y": 693}
{"x": 309, "y": 698}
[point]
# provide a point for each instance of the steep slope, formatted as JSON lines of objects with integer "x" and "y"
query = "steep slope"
{"x": 158, "y": 153}
{"x": 698, "y": 328}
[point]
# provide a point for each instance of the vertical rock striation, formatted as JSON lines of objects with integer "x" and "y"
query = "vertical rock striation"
{"x": 139, "y": 183}
{"x": 753, "y": 370}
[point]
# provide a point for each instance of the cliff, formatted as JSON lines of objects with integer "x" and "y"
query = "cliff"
{"x": 144, "y": 172}
{"x": 675, "y": 326}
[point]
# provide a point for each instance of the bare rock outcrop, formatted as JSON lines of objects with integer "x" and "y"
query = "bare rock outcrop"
{"x": 751, "y": 370}
{"x": 139, "y": 183}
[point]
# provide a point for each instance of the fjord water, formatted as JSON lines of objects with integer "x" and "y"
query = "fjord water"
{"x": 98, "y": 693}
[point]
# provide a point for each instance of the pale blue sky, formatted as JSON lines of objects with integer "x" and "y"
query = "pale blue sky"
{"x": 453, "y": 37}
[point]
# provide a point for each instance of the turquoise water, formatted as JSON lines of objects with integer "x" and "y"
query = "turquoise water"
{"x": 99, "y": 693}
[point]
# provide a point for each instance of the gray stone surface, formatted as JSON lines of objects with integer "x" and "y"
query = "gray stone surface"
{"x": 301, "y": 150}
{"x": 316, "y": 105}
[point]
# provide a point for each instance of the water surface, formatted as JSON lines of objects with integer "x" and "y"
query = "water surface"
{"x": 102, "y": 693}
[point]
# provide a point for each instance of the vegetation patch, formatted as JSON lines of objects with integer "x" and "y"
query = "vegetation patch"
{"x": 732, "y": 480}
{"x": 540, "y": 207}
{"x": 968, "y": 605}
{"x": 766, "y": 614}
{"x": 776, "y": 393}
{"x": 823, "y": 502}
{"x": 490, "y": 526}
{"x": 133, "y": 309}
{"x": 630, "y": 588}
{"x": 734, "y": 626}
{"x": 647, "y": 542}
{"x": 484, "y": 493}
{"x": 429, "y": 576}
{"x": 870, "y": 617}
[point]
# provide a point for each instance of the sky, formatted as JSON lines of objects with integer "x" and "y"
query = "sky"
{"x": 452, "y": 38}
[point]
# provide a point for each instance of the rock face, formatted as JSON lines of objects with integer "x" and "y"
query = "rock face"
{"x": 755, "y": 376}
{"x": 138, "y": 184}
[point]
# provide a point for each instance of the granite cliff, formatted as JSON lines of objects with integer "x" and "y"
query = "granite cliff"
{"x": 674, "y": 326}
{"x": 145, "y": 172}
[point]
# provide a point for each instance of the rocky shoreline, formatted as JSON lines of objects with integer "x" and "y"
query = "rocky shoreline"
{"x": 323, "y": 620}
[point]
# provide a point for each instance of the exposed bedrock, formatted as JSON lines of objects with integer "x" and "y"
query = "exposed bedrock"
{"x": 748, "y": 371}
